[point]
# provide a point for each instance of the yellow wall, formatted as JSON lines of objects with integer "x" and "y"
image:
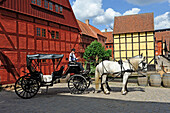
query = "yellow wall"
{"x": 130, "y": 44}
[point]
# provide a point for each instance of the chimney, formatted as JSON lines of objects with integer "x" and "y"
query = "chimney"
{"x": 105, "y": 30}
{"x": 87, "y": 21}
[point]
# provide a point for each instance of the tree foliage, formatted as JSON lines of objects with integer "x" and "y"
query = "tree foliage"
{"x": 108, "y": 53}
{"x": 94, "y": 51}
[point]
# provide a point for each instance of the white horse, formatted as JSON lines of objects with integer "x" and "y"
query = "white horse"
{"x": 114, "y": 68}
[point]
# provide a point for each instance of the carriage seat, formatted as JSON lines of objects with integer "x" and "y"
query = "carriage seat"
{"x": 58, "y": 74}
{"x": 72, "y": 64}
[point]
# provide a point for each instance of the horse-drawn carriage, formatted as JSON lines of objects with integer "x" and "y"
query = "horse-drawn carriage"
{"x": 28, "y": 85}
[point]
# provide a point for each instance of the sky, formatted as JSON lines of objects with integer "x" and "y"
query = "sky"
{"x": 101, "y": 13}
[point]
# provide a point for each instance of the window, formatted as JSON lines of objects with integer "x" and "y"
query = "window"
{"x": 56, "y": 8}
{"x": 38, "y": 31}
{"x": 43, "y": 33}
{"x": 50, "y": 5}
{"x": 57, "y": 35}
{"x": 39, "y": 2}
{"x": 52, "y": 34}
{"x": 33, "y": 1}
{"x": 106, "y": 46}
{"x": 45, "y": 3}
{"x": 61, "y": 9}
{"x": 110, "y": 46}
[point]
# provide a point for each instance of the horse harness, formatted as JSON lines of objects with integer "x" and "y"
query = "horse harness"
{"x": 120, "y": 62}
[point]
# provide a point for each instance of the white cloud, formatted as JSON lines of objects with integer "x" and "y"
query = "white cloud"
{"x": 162, "y": 21}
{"x": 106, "y": 18}
{"x": 133, "y": 11}
{"x": 145, "y": 2}
{"x": 92, "y": 9}
{"x": 85, "y": 9}
{"x": 108, "y": 30}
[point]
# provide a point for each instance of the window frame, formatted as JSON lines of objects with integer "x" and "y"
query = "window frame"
{"x": 56, "y": 7}
{"x": 33, "y": 1}
{"x": 38, "y": 31}
{"x": 43, "y": 32}
{"x": 50, "y": 5}
{"x": 53, "y": 34}
{"x": 57, "y": 35}
{"x": 39, "y": 2}
{"x": 46, "y": 4}
{"x": 61, "y": 9}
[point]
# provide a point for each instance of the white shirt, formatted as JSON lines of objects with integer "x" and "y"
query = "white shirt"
{"x": 72, "y": 57}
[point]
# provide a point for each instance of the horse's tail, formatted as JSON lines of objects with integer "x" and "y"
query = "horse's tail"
{"x": 97, "y": 78}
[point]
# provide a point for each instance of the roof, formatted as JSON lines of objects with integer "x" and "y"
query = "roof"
{"x": 109, "y": 36}
{"x": 165, "y": 35}
{"x": 86, "y": 29}
{"x": 134, "y": 23}
{"x": 44, "y": 56}
{"x": 96, "y": 30}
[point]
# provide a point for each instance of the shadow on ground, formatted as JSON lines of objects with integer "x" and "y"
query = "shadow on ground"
{"x": 55, "y": 103}
{"x": 54, "y": 91}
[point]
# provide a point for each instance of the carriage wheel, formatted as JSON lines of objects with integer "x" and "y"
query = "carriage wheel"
{"x": 88, "y": 81}
{"x": 26, "y": 87}
{"x": 77, "y": 84}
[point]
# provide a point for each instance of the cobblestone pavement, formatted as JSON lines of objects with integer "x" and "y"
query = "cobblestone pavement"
{"x": 59, "y": 100}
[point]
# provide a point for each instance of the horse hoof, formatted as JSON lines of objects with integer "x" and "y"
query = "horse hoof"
{"x": 98, "y": 91}
{"x": 124, "y": 93}
{"x": 107, "y": 93}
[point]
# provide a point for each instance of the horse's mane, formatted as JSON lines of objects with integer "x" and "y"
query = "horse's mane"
{"x": 138, "y": 56}
{"x": 135, "y": 61}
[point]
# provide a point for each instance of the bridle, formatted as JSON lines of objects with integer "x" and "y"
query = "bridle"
{"x": 139, "y": 68}
{"x": 143, "y": 65}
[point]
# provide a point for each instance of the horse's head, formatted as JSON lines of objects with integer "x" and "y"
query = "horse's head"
{"x": 139, "y": 63}
{"x": 142, "y": 66}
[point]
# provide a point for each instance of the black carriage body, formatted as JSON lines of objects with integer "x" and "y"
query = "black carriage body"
{"x": 37, "y": 58}
{"x": 28, "y": 85}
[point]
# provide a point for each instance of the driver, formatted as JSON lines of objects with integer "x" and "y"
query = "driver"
{"x": 72, "y": 58}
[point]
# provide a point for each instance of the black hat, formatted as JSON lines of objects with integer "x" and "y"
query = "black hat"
{"x": 73, "y": 49}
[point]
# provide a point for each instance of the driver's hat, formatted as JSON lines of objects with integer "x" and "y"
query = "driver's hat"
{"x": 73, "y": 49}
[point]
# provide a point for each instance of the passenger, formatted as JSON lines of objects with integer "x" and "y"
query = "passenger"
{"x": 72, "y": 58}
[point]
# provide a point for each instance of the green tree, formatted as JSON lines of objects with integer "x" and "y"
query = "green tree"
{"x": 108, "y": 54}
{"x": 94, "y": 51}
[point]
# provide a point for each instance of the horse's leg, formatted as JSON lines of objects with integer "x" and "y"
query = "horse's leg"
{"x": 104, "y": 82}
{"x": 126, "y": 86}
{"x": 107, "y": 84}
{"x": 125, "y": 78}
{"x": 97, "y": 80}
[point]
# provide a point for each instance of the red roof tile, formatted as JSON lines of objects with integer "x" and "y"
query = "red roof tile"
{"x": 86, "y": 29}
{"x": 165, "y": 35}
{"x": 96, "y": 30}
{"x": 134, "y": 23}
{"x": 109, "y": 36}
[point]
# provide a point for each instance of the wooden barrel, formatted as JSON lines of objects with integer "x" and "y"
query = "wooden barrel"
{"x": 155, "y": 80}
{"x": 166, "y": 79}
{"x": 143, "y": 81}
